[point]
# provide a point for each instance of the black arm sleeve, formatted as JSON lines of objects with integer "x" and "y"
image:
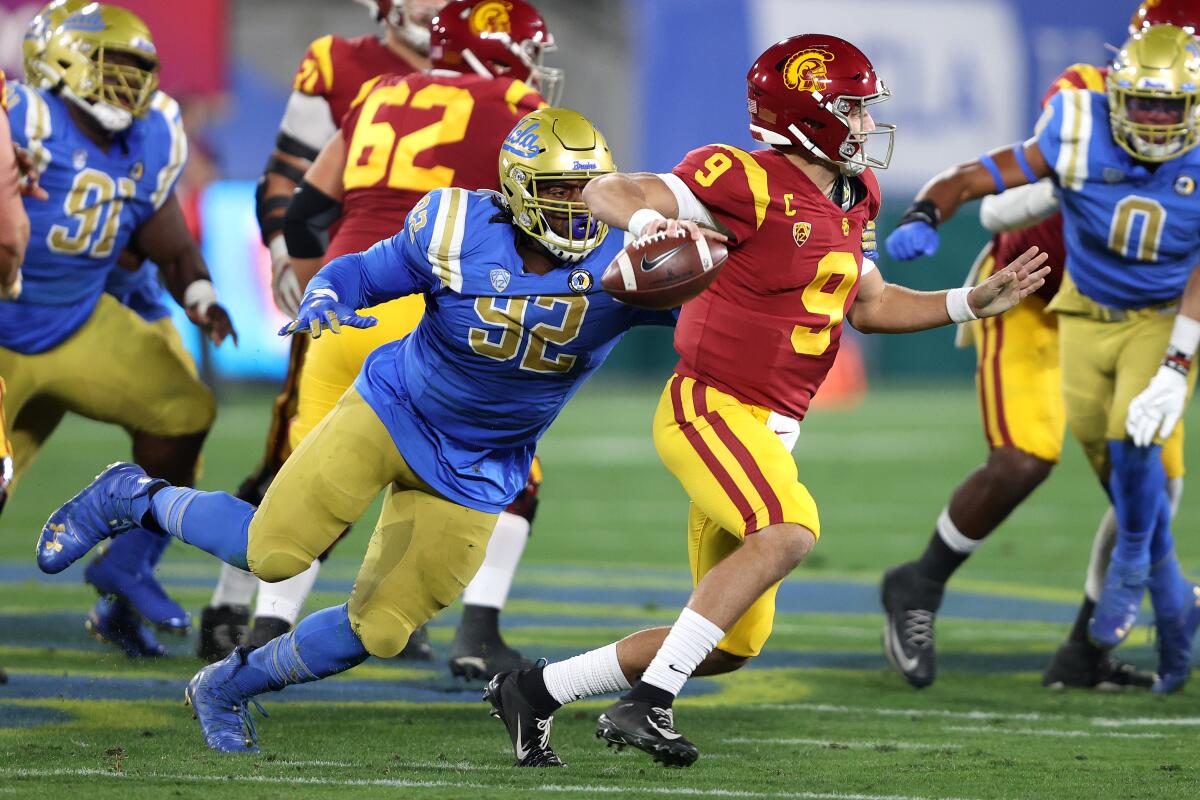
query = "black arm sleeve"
{"x": 306, "y": 223}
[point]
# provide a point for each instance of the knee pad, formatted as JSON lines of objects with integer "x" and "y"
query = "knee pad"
{"x": 383, "y": 635}
{"x": 275, "y": 564}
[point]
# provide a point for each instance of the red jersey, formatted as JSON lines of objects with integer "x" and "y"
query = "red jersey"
{"x": 768, "y": 328}
{"x": 410, "y": 134}
{"x": 335, "y": 68}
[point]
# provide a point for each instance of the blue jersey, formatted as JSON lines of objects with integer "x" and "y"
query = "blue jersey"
{"x": 469, "y": 392}
{"x": 140, "y": 290}
{"x": 97, "y": 200}
{"x": 1132, "y": 231}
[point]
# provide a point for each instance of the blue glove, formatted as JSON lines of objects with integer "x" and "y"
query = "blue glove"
{"x": 912, "y": 240}
{"x": 320, "y": 309}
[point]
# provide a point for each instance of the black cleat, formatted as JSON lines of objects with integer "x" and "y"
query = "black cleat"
{"x": 910, "y": 604}
{"x": 476, "y": 661}
{"x": 530, "y": 733}
{"x": 1081, "y": 665}
{"x": 222, "y": 628}
{"x": 418, "y": 647}
{"x": 265, "y": 629}
{"x": 648, "y": 728}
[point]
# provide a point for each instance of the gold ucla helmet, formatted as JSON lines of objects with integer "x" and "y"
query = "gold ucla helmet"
{"x": 102, "y": 58}
{"x": 1153, "y": 94}
{"x": 37, "y": 33}
{"x": 554, "y": 144}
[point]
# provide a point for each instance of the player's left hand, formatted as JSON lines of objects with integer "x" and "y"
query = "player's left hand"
{"x": 1009, "y": 286}
{"x": 870, "y": 246}
{"x": 214, "y": 321}
{"x": 28, "y": 184}
{"x": 320, "y": 309}
{"x": 1156, "y": 410}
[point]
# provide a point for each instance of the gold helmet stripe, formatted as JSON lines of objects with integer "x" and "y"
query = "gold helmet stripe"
{"x": 445, "y": 242}
{"x": 169, "y": 109}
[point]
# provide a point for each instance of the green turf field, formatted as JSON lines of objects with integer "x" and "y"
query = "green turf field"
{"x": 819, "y": 717}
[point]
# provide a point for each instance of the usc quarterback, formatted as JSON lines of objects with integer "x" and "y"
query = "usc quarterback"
{"x": 326, "y": 82}
{"x": 1019, "y": 380}
{"x": 1125, "y": 168}
{"x": 754, "y": 348}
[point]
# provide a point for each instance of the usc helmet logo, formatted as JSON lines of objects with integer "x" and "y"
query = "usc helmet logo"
{"x": 805, "y": 71}
{"x": 491, "y": 17}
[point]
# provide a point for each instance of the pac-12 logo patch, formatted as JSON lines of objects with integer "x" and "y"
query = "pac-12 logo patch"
{"x": 1185, "y": 185}
{"x": 137, "y": 170}
{"x": 500, "y": 279}
{"x": 580, "y": 281}
{"x": 800, "y": 232}
{"x": 806, "y": 71}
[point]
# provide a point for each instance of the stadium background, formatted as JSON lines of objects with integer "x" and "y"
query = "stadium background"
{"x": 658, "y": 77}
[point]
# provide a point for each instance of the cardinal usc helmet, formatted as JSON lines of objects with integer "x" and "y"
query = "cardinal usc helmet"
{"x": 496, "y": 39}
{"x": 408, "y": 18}
{"x": 1180, "y": 13}
{"x": 813, "y": 91}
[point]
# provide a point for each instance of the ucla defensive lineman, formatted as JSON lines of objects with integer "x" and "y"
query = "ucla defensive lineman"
{"x": 445, "y": 419}
{"x": 1126, "y": 170}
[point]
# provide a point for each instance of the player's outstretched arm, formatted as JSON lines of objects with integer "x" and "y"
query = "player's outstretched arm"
{"x": 1157, "y": 409}
{"x": 166, "y": 240}
{"x": 14, "y": 223}
{"x": 315, "y": 206}
{"x": 916, "y": 234}
{"x": 641, "y": 203}
{"x": 883, "y": 307}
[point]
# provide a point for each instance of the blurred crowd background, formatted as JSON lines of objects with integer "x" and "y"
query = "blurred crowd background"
{"x": 659, "y": 77}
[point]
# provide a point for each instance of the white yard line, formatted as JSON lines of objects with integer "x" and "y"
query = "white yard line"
{"x": 400, "y": 783}
{"x": 991, "y": 730}
{"x": 844, "y": 743}
{"x": 1146, "y": 722}
{"x": 824, "y": 708}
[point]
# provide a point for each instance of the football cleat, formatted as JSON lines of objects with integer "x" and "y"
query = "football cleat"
{"x": 267, "y": 628}
{"x": 222, "y": 628}
{"x": 474, "y": 660}
{"x": 648, "y": 728}
{"x": 221, "y": 709}
{"x": 114, "y": 621}
{"x": 910, "y": 604}
{"x": 418, "y": 647}
{"x": 143, "y": 592}
{"x": 530, "y": 732}
{"x": 111, "y": 504}
{"x": 1175, "y": 637}
{"x": 1117, "y": 609}
{"x": 1080, "y": 665}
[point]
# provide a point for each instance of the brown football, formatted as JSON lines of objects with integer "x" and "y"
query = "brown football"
{"x": 663, "y": 271}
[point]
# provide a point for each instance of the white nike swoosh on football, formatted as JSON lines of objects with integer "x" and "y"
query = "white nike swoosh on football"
{"x": 905, "y": 663}
{"x": 662, "y": 733}
{"x": 519, "y": 744}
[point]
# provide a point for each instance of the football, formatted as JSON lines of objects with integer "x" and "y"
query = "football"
{"x": 662, "y": 271}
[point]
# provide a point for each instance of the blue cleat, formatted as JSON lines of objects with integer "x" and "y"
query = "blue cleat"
{"x": 141, "y": 589}
{"x": 112, "y": 620}
{"x": 221, "y": 709}
{"x": 1175, "y": 637}
{"x": 1117, "y": 609}
{"x": 111, "y": 504}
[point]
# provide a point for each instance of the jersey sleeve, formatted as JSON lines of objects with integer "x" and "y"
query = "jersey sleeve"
{"x": 31, "y": 123}
{"x": 3, "y": 92}
{"x": 522, "y": 98}
{"x": 172, "y": 140}
{"x": 1063, "y": 135}
{"x": 314, "y": 76}
{"x": 1077, "y": 76}
{"x": 730, "y": 184}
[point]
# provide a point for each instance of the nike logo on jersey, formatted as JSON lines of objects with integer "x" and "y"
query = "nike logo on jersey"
{"x": 650, "y": 263}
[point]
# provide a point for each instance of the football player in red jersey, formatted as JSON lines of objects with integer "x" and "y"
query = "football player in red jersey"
{"x": 754, "y": 347}
{"x": 327, "y": 81}
{"x": 1020, "y": 390}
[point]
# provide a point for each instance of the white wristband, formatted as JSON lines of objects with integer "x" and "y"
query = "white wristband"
{"x": 1185, "y": 336}
{"x": 200, "y": 294}
{"x": 640, "y": 219}
{"x": 958, "y": 306}
{"x": 278, "y": 250}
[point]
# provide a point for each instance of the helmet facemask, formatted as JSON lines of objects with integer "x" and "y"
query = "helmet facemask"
{"x": 120, "y": 89}
{"x": 533, "y": 213}
{"x": 854, "y": 156}
{"x": 1152, "y": 125}
{"x": 529, "y": 55}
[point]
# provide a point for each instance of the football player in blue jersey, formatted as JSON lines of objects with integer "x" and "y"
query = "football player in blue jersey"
{"x": 445, "y": 419}
{"x": 1125, "y": 167}
{"x": 108, "y": 148}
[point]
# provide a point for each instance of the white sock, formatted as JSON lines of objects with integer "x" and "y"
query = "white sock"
{"x": 594, "y": 672}
{"x": 235, "y": 587}
{"x": 283, "y": 600}
{"x": 955, "y": 539}
{"x": 491, "y": 583}
{"x": 691, "y": 639}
